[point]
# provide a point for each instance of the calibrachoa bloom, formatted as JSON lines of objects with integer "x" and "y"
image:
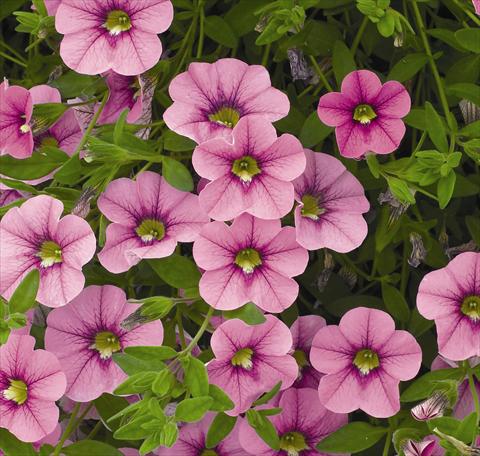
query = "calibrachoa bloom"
{"x": 8, "y": 196}
{"x": 30, "y": 383}
{"x": 34, "y": 236}
{"x": 252, "y": 174}
{"x": 476, "y": 5}
{"x": 250, "y": 360}
{"x": 364, "y": 359}
{"x": 192, "y": 441}
{"x": 112, "y": 34}
{"x": 251, "y": 260}
{"x": 303, "y": 331}
{"x": 301, "y": 425}
{"x": 331, "y": 203}
{"x": 451, "y": 297}
{"x": 149, "y": 217}
{"x": 210, "y": 98}
{"x": 426, "y": 447}
{"x": 366, "y": 114}
{"x": 84, "y": 335}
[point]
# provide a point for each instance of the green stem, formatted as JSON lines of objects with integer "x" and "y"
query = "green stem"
{"x": 94, "y": 431}
{"x": 320, "y": 73}
{"x": 13, "y": 51}
{"x": 465, "y": 9}
{"x": 200, "y": 332}
{"x": 266, "y": 54}
{"x": 13, "y": 59}
{"x": 358, "y": 36}
{"x": 476, "y": 400}
{"x": 68, "y": 430}
{"x": 201, "y": 37}
{"x": 388, "y": 441}
{"x": 181, "y": 333}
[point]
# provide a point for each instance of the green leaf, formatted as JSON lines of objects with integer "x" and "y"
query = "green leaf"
{"x": 23, "y": 297}
{"x": 401, "y": 190}
{"x": 465, "y": 90}
{"x": 386, "y": 25}
{"x": 138, "y": 382}
{"x": 313, "y": 131}
{"x": 469, "y": 38}
{"x": 177, "y": 143}
{"x": 120, "y": 126}
{"x": 90, "y": 447}
{"x": 133, "y": 365}
{"x": 352, "y": 438}
{"x": 373, "y": 165}
{"x": 435, "y": 128}
{"x": 221, "y": 401}
{"x": 164, "y": 382}
{"x": 445, "y": 188}
{"x": 343, "y": 62}
{"x": 248, "y": 313}
{"x": 395, "y": 303}
{"x": 220, "y": 428}
{"x": 147, "y": 353}
{"x": 265, "y": 398}
{"x": 194, "y": 409}
{"x": 196, "y": 377}
{"x": 407, "y": 67}
{"x": 473, "y": 225}
{"x": 217, "y": 29}
{"x": 177, "y": 271}
{"x": 14, "y": 447}
{"x": 169, "y": 434}
{"x": 108, "y": 405}
{"x": 264, "y": 428}
{"x": 177, "y": 174}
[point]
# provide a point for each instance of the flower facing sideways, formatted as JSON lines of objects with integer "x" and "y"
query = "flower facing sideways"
{"x": 251, "y": 260}
{"x": 366, "y": 114}
{"x": 364, "y": 359}
{"x": 30, "y": 383}
{"x": 86, "y": 333}
{"x": 252, "y": 174}
{"x": 210, "y": 98}
{"x": 34, "y": 236}
{"x": 251, "y": 360}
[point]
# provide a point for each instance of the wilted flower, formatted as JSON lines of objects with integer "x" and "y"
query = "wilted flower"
{"x": 431, "y": 408}
{"x": 470, "y": 111}
{"x": 419, "y": 253}
{"x": 82, "y": 205}
{"x": 398, "y": 208}
{"x": 298, "y": 65}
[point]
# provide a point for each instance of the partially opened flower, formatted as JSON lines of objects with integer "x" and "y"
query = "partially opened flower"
{"x": 8, "y": 196}
{"x": 301, "y": 425}
{"x": 112, "y": 34}
{"x": 433, "y": 407}
{"x": 252, "y": 174}
{"x": 34, "y": 236}
{"x": 87, "y": 332}
{"x": 366, "y": 114}
{"x": 331, "y": 203}
{"x": 149, "y": 217}
{"x": 426, "y": 447}
{"x": 251, "y": 260}
{"x": 251, "y": 360}
{"x": 364, "y": 359}
{"x": 210, "y": 98}
{"x": 303, "y": 331}
{"x": 451, "y": 297}
{"x": 30, "y": 383}
{"x": 192, "y": 441}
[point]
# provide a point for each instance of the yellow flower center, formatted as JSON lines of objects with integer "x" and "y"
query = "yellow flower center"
{"x": 16, "y": 392}
{"x": 293, "y": 443}
{"x": 248, "y": 260}
{"x": 50, "y": 253}
{"x": 106, "y": 343}
{"x": 311, "y": 208}
{"x": 364, "y": 114}
{"x": 243, "y": 358}
{"x": 150, "y": 229}
{"x": 366, "y": 360}
{"x": 25, "y": 128}
{"x": 471, "y": 307}
{"x": 228, "y": 117}
{"x": 301, "y": 358}
{"x": 118, "y": 21}
{"x": 245, "y": 168}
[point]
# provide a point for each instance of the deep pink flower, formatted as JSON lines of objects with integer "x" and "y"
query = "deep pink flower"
{"x": 210, "y": 98}
{"x": 8, "y": 196}
{"x": 85, "y": 333}
{"x": 192, "y": 441}
{"x": 367, "y": 115}
{"x": 251, "y": 360}
{"x": 331, "y": 203}
{"x": 251, "y": 260}
{"x": 149, "y": 217}
{"x": 303, "y": 331}
{"x": 112, "y": 34}
{"x": 252, "y": 174}
{"x": 451, "y": 297}
{"x": 364, "y": 359}
{"x": 301, "y": 425}
{"x": 16, "y": 108}
{"x": 34, "y": 236}
{"x": 30, "y": 383}
{"x": 429, "y": 446}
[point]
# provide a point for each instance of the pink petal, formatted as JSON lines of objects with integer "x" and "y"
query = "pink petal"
{"x": 340, "y": 392}
{"x": 214, "y": 248}
{"x": 152, "y": 16}
{"x": 331, "y": 352}
{"x": 67, "y": 132}
{"x": 270, "y": 103}
{"x": 253, "y": 135}
{"x": 120, "y": 202}
{"x": 335, "y": 109}
{"x": 393, "y": 101}
{"x": 352, "y": 139}
{"x": 46, "y": 379}
{"x": 248, "y": 229}
{"x": 59, "y": 284}
{"x": 75, "y": 16}
{"x": 385, "y": 135}
{"x": 213, "y": 159}
{"x": 380, "y": 396}
{"x": 362, "y": 86}
{"x": 458, "y": 337}
{"x": 304, "y": 329}
{"x": 160, "y": 249}
{"x": 45, "y": 94}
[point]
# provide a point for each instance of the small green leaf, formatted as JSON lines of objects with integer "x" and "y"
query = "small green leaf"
{"x": 90, "y": 447}
{"x": 395, "y": 303}
{"x": 407, "y": 67}
{"x": 177, "y": 271}
{"x": 373, "y": 165}
{"x": 120, "y": 126}
{"x": 177, "y": 143}
{"x": 249, "y": 313}
{"x": 194, "y": 409}
{"x": 473, "y": 225}
{"x": 265, "y": 398}
{"x": 108, "y": 405}
{"x": 23, "y": 297}
{"x": 220, "y": 428}
{"x": 445, "y": 188}
{"x": 401, "y": 190}
{"x": 343, "y": 62}
{"x": 221, "y": 401}
{"x": 217, "y": 29}
{"x": 177, "y": 174}
{"x": 146, "y": 353}
{"x": 435, "y": 128}
{"x": 469, "y": 38}
{"x": 264, "y": 428}
{"x": 313, "y": 131}
{"x": 14, "y": 447}
{"x": 196, "y": 377}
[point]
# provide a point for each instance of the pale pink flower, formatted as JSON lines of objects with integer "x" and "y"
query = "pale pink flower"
{"x": 366, "y": 114}
{"x": 476, "y": 5}
{"x": 451, "y": 297}
{"x": 433, "y": 407}
{"x": 331, "y": 203}
{"x": 34, "y": 236}
{"x": 87, "y": 332}
{"x": 52, "y": 6}
{"x": 149, "y": 217}
{"x": 252, "y": 174}
{"x": 121, "y": 35}
{"x": 251, "y": 360}
{"x": 30, "y": 383}
{"x": 251, "y": 260}
{"x": 364, "y": 359}
{"x": 210, "y": 98}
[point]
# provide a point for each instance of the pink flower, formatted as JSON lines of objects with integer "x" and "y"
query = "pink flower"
{"x": 192, "y": 441}
{"x": 112, "y": 34}
{"x": 451, "y": 297}
{"x": 252, "y": 174}
{"x": 251, "y": 360}
{"x": 476, "y": 5}
{"x": 30, "y": 383}
{"x": 433, "y": 407}
{"x": 16, "y": 108}
{"x": 210, "y": 98}
{"x": 364, "y": 359}
{"x": 251, "y": 260}
{"x": 303, "y": 331}
{"x": 52, "y": 6}
{"x": 34, "y": 236}
{"x": 426, "y": 447}
{"x": 331, "y": 203}
{"x": 301, "y": 425}
{"x": 149, "y": 217}
{"x": 85, "y": 333}
{"x": 8, "y": 196}
{"x": 367, "y": 115}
